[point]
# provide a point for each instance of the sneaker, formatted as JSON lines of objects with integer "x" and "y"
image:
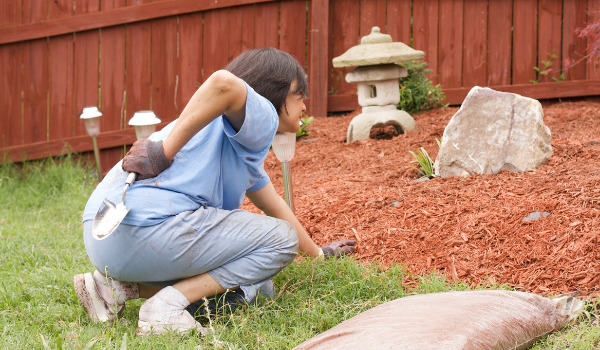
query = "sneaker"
{"x": 221, "y": 303}
{"x": 99, "y": 309}
{"x": 166, "y": 312}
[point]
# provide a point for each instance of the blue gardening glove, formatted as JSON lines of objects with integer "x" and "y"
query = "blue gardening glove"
{"x": 146, "y": 158}
{"x": 338, "y": 248}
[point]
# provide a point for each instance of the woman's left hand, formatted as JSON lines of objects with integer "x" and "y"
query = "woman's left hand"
{"x": 338, "y": 248}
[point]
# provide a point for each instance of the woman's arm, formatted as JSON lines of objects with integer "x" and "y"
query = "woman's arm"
{"x": 221, "y": 93}
{"x": 269, "y": 201}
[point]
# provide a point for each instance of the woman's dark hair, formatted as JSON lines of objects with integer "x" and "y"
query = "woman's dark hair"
{"x": 270, "y": 72}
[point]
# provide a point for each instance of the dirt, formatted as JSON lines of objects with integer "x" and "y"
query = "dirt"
{"x": 469, "y": 229}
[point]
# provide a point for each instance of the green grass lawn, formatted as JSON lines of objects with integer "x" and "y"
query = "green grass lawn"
{"x": 41, "y": 248}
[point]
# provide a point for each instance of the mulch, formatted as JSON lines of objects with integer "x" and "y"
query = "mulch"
{"x": 469, "y": 229}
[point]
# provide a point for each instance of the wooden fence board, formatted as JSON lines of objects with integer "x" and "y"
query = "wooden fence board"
{"x": 215, "y": 35}
{"x": 60, "y": 89}
{"x": 241, "y": 30}
{"x": 499, "y": 42}
{"x": 372, "y": 13}
{"x": 86, "y": 67}
{"x": 190, "y": 56}
{"x": 524, "y": 41}
{"x": 292, "y": 38}
{"x": 450, "y": 43}
{"x": 266, "y": 20}
{"x": 575, "y": 16}
{"x": 398, "y": 20}
{"x": 318, "y": 63}
{"x": 112, "y": 82}
{"x": 549, "y": 38}
{"x": 425, "y": 33}
{"x": 164, "y": 65}
{"x": 593, "y": 15}
{"x": 345, "y": 30}
{"x": 60, "y": 75}
{"x": 475, "y": 47}
{"x": 138, "y": 68}
{"x": 10, "y": 79}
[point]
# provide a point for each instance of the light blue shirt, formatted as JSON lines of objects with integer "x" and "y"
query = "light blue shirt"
{"x": 215, "y": 168}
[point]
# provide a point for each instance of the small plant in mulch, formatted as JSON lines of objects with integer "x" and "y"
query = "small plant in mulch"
{"x": 426, "y": 164}
{"x": 303, "y": 131}
{"x": 417, "y": 93}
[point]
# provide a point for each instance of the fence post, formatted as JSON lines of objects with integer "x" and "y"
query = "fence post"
{"x": 318, "y": 57}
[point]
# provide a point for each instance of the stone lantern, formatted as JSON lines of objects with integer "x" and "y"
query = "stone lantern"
{"x": 378, "y": 60}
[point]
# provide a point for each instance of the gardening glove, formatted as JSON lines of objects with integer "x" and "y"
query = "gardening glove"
{"x": 146, "y": 158}
{"x": 338, "y": 248}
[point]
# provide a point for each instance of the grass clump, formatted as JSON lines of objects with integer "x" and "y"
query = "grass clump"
{"x": 417, "y": 93}
{"x": 41, "y": 249}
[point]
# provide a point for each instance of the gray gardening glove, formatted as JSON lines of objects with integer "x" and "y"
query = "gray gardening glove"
{"x": 146, "y": 158}
{"x": 339, "y": 248}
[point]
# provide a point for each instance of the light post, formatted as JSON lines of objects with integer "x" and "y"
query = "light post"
{"x": 91, "y": 121}
{"x": 144, "y": 123}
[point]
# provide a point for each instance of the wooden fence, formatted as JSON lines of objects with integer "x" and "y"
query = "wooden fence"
{"x": 57, "y": 56}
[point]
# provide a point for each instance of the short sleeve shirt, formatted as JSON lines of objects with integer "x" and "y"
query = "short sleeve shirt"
{"x": 215, "y": 168}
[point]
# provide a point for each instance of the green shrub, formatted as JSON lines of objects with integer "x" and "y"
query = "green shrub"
{"x": 417, "y": 93}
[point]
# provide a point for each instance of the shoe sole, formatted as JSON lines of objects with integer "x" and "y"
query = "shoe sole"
{"x": 90, "y": 299}
{"x": 148, "y": 328}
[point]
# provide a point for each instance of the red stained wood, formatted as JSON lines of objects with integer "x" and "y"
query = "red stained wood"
{"x": 60, "y": 70}
{"x": 11, "y": 57}
{"x": 215, "y": 55}
{"x": 593, "y": 15}
{"x": 165, "y": 81}
{"x": 575, "y": 16}
{"x": 345, "y": 31}
{"x": 131, "y": 14}
{"x": 190, "y": 61}
{"x": 112, "y": 82}
{"x": 549, "y": 37}
{"x": 86, "y": 67}
{"x": 318, "y": 57}
{"x": 524, "y": 41}
{"x": 241, "y": 30}
{"x": 266, "y": 20}
{"x": 372, "y": 13}
{"x": 499, "y": 42}
{"x": 450, "y": 43}
{"x": 292, "y": 38}
{"x": 398, "y": 21}
{"x": 548, "y": 90}
{"x": 138, "y": 65}
{"x": 425, "y": 33}
{"x": 475, "y": 47}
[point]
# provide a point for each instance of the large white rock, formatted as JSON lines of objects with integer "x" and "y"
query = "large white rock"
{"x": 492, "y": 131}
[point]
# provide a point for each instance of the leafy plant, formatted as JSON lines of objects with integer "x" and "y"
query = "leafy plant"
{"x": 592, "y": 33}
{"x": 305, "y": 122}
{"x": 423, "y": 159}
{"x": 417, "y": 93}
{"x": 547, "y": 69}
{"x": 426, "y": 164}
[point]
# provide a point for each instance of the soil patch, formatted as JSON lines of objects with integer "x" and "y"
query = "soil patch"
{"x": 470, "y": 229}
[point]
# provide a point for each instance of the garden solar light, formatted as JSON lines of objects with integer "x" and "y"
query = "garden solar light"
{"x": 284, "y": 145}
{"x": 91, "y": 121}
{"x": 144, "y": 123}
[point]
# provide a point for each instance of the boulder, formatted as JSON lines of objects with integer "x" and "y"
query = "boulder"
{"x": 493, "y": 131}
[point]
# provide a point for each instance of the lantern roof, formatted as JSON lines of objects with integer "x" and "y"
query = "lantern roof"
{"x": 377, "y": 48}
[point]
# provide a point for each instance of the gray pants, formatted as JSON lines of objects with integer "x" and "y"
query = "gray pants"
{"x": 236, "y": 248}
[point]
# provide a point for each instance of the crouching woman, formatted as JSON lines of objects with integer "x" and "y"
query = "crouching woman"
{"x": 185, "y": 237}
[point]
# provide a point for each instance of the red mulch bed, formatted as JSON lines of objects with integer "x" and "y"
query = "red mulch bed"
{"x": 470, "y": 229}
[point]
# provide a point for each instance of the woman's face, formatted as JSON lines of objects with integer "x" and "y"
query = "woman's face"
{"x": 292, "y": 110}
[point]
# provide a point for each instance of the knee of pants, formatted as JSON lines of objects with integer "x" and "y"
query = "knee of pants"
{"x": 286, "y": 239}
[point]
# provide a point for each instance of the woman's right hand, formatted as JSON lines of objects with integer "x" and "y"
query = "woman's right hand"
{"x": 146, "y": 158}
